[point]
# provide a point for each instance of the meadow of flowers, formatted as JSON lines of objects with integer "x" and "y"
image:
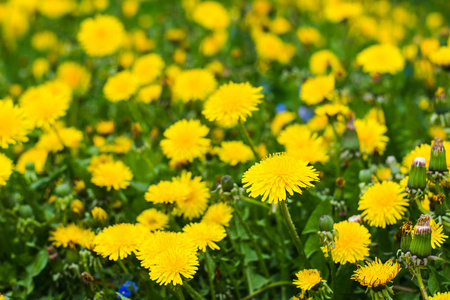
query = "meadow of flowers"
{"x": 196, "y": 149}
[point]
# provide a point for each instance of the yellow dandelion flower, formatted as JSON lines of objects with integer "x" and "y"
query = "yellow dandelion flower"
{"x": 271, "y": 47}
{"x": 98, "y": 160}
{"x": 77, "y": 207}
{"x": 74, "y": 75}
{"x": 234, "y": 152}
{"x": 309, "y": 36}
{"x": 231, "y": 103}
{"x": 153, "y": 219}
{"x": 303, "y": 144}
{"x": 212, "y": 43}
{"x": 276, "y": 175}
{"x": 185, "y": 140}
{"x": 149, "y": 93}
{"x": 332, "y": 110}
{"x": 195, "y": 84}
{"x": 120, "y": 145}
{"x": 147, "y": 68}
{"x": 99, "y": 214}
{"x": 383, "y": 173}
{"x": 120, "y": 87}
{"x": 34, "y": 155}
{"x": 166, "y": 192}
{"x": 438, "y": 236}
{"x": 118, "y": 241}
{"x": 44, "y": 40}
{"x": 40, "y": 67}
{"x": 55, "y": 9}
{"x": 315, "y": 90}
{"x": 114, "y": 174}
{"x": 205, "y": 235}
{"x": 105, "y": 127}
{"x": 440, "y": 296}
{"x": 351, "y": 243}
{"x": 307, "y": 279}
{"x": 441, "y": 56}
{"x": 6, "y": 167}
{"x": 14, "y": 126}
{"x": 371, "y": 136}
{"x": 219, "y": 213}
{"x": 196, "y": 201}
{"x": 280, "y": 120}
{"x": 383, "y": 58}
{"x": 383, "y": 204}
{"x": 323, "y": 60}
{"x": 101, "y": 35}
{"x": 211, "y": 15}
{"x": 376, "y": 274}
{"x": 422, "y": 150}
{"x": 55, "y": 139}
{"x": 69, "y": 236}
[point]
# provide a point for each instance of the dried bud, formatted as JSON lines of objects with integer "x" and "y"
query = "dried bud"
{"x": 421, "y": 242}
{"x": 340, "y": 182}
{"x": 438, "y": 205}
{"x": 326, "y": 223}
{"x": 417, "y": 176}
{"x": 355, "y": 218}
{"x": 406, "y": 238}
{"x": 438, "y": 159}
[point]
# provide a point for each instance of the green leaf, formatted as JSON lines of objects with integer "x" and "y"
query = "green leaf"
{"x": 38, "y": 264}
{"x": 312, "y": 225}
{"x": 312, "y": 245}
{"x": 433, "y": 282}
{"x": 122, "y": 297}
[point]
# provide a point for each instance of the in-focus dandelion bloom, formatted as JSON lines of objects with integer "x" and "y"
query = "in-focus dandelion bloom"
{"x": 118, "y": 241}
{"x": 6, "y": 167}
{"x": 219, "y": 213}
{"x": 69, "y": 236}
{"x": 438, "y": 236}
{"x": 195, "y": 84}
{"x": 440, "y": 296}
{"x": 14, "y": 126}
{"x": 166, "y": 192}
{"x": 211, "y": 15}
{"x": 153, "y": 219}
{"x": 33, "y": 155}
{"x": 147, "y": 68}
{"x": 234, "y": 152}
{"x": 315, "y": 90}
{"x": 383, "y": 204}
{"x": 277, "y": 174}
{"x": 231, "y": 103}
{"x": 376, "y": 274}
{"x": 351, "y": 244}
{"x": 120, "y": 86}
{"x": 185, "y": 140}
{"x": 203, "y": 235}
{"x": 113, "y": 174}
{"x": 101, "y": 35}
{"x": 307, "y": 279}
{"x": 371, "y": 136}
{"x": 384, "y": 58}
{"x": 196, "y": 201}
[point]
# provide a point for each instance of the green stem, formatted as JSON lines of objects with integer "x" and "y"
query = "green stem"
{"x": 293, "y": 233}
{"x": 421, "y": 208}
{"x": 124, "y": 268}
{"x": 423, "y": 291}
{"x": 193, "y": 292}
{"x": 337, "y": 151}
{"x": 332, "y": 271}
{"x": 210, "y": 271}
{"x": 256, "y": 202}
{"x": 267, "y": 287}
{"x": 262, "y": 264}
{"x": 249, "y": 141}
{"x": 179, "y": 293}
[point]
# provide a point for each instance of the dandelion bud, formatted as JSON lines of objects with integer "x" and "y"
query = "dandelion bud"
{"x": 350, "y": 138}
{"x": 326, "y": 223}
{"x": 438, "y": 205}
{"x": 77, "y": 207}
{"x": 417, "y": 176}
{"x": 227, "y": 183}
{"x": 421, "y": 242}
{"x": 406, "y": 239}
{"x": 440, "y": 102}
{"x": 29, "y": 166}
{"x": 99, "y": 215}
{"x": 393, "y": 165}
{"x": 365, "y": 176}
{"x": 438, "y": 160}
{"x": 63, "y": 190}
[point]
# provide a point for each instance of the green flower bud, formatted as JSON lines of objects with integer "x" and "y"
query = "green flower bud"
{"x": 418, "y": 175}
{"x": 365, "y": 176}
{"x": 440, "y": 102}
{"x": 227, "y": 183}
{"x": 63, "y": 190}
{"x": 350, "y": 138}
{"x": 421, "y": 242}
{"x": 406, "y": 239}
{"x": 29, "y": 166}
{"x": 438, "y": 205}
{"x": 326, "y": 223}
{"x": 438, "y": 160}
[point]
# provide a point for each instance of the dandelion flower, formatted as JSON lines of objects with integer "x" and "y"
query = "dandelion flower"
{"x": 440, "y": 296}
{"x": 74, "y": 75}
{"x": 117, "y": 241}
{"x": 14, "y": 126}
{"x": 120, "y": 86}
{"x": 219, "y": 213}
{"x": 147, "y": 68}
{"x": 153, "y": 219}
{"x": 211, "y": 15}
{"x": 196, "y": 201}
{"x": 441, "y": 57}
{"x": 278, "y": 174}
{"x": 166, "y": 192}
{"x": 195, "y": 84}
{"x": 307, "y": 279}
{"x": 99, "y": 214}
{"x": 185, "y": 140}
{"x": 351, "y": 243}
{"x": 422, "y": 150}
{"x": 371, "y": 136}
{"x": 376, "y": 274}
{"x": 114, "y": 174}
{"x": 280, "y": 120}
{"x": 69, "y": 236}
{"x": 383, "y": 204}
{"x": 6, "y": 167}
{"x": 33, "y": 155}
{"x": 383, "y": 58}
{"x": 203, "y": 235}
{"x": 149, "y": 93}
{"x": 231, "y": 103}
{"x": 234, "y": 152}
{"x": 54, "y": 140}
{"x": 315, "y": 90}
{"x": 438, "y": 236}
{"x": 322, "y": 60}
{"x": 101, "y": 35}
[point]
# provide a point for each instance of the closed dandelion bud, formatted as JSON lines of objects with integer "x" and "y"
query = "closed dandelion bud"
{"x": 227, "y": 183}
{"x": 63, "y": 190}
{"x": 421, "y": 242}
{"x": 99, "y": 215}
{"x": 326, "y": 223}
{"x": 365, "y": 176}
{"x": 77, "y": 207}
{"x": 440, "y": 102}
{"x": 438, "y": 205}
{"x": 406, "y": 238}
{"x": 417, "y": 176}
{"x": 438, "y": 160}
{"x": 350, "y": 138}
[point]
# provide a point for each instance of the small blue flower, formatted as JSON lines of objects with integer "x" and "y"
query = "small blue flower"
{"x": 281, "y": 107}
{"x": 124, "y": 291}
{"x": 132, "y": 283}
{"x": 305, "y": 113}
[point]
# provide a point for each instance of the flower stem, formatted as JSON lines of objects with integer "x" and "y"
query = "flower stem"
{"x": 421, "y": 208}
{"x": 193, "y": 292}
{"x": 337, "y": 151}
{"x": 332, "y": 271}
{"x": 293, "y": 233}
{"x": 270, "y": 286}
{"x": 423, "y": 291}
{"x": 249, "y": 141}
{"x": 124, "y": 268}
{"x": 210, "y": 271}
